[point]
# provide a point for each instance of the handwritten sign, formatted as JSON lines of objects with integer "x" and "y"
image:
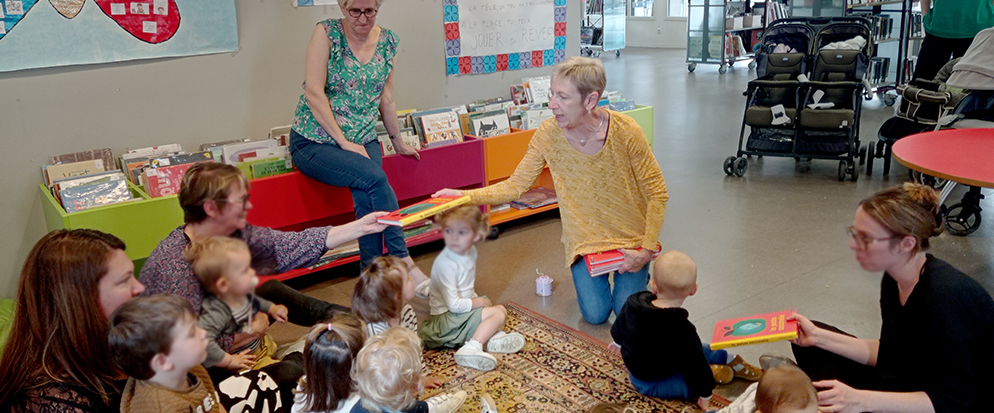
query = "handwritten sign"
{"x": 486, "y": 36}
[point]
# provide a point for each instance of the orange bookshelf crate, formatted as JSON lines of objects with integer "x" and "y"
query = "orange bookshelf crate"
{"x": 501, "y": 155}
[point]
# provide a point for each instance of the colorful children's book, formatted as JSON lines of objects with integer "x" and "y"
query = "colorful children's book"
{"x": 764, "y": 328}
{"x": 422, "y": 210}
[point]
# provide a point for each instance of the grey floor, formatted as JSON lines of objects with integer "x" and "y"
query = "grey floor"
{"x": 771, "y": 240}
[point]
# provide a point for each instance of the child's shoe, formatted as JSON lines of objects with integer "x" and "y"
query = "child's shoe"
{"x": 745, "y": 370}
{"x": 423, "y": 290}
{"x": 487, "y": 404}
{"x": 722, "y": 373}
{"x": 502, "y": 342}
{"x": 472, "y": 355}
{"x": 446, "y": 403}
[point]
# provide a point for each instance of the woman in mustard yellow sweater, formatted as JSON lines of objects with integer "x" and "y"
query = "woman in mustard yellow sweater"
{"x": 610, "y": 189}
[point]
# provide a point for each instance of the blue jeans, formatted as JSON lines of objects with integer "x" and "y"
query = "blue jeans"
{"x": 675, "y": 387}
{"x": 331, "y": 165}
{"x": 595, "y": 295}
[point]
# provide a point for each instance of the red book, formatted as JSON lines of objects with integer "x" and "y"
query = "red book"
{"x": 165, "y": 180}
{"x": 600, "y": 263}
{"x": 763, "y": 328}
{"x": 422, "y": 210}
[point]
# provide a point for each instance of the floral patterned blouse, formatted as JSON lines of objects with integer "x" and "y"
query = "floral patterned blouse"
{"x": 353, "y": 89}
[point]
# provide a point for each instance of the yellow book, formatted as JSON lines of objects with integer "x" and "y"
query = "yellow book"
{"x": 422, "y": 210}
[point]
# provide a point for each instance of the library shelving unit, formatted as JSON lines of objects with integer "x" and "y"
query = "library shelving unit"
{"x": 706, "y": 34}
{"x": 610, "y": 19}
{"x": 288, "y": 202}
{"x": 898, "y": 11}
{"x": 292, "y": 201}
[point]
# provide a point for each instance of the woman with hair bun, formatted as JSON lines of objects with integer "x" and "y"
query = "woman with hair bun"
{"x": 938, "y": 323}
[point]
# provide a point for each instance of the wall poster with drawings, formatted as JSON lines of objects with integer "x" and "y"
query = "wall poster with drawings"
{"x": 46, "y": 33}
{"x": 486, "y": 36}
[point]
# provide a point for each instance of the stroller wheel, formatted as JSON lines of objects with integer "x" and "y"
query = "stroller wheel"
{"x": 889, "y": 99}
{"x": 727, "y": 165}
{"x": 722, "y": 69}
{"x": 740, "y": 166}
{"x": 843, "y": 169}
{"x": 752, "y": 64}
{"x": 852, "y": 170}
{"x": 862, "y": 153}
{"x": 691, "y": 67}
{"x": 963, "y": 219}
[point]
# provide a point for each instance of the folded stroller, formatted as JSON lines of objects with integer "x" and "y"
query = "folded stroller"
{"x": 807, "y": 100}
{"x": 974, "y": 72}
{"x": 923, "y": 102}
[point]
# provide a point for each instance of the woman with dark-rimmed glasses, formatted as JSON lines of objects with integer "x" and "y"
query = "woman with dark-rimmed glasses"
{"x": 933, "y": 354}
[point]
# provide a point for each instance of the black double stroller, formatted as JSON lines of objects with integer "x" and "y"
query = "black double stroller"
{"x": 807, "y": 100}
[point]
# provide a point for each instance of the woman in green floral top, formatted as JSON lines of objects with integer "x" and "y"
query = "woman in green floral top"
{"x": 348, "y": 87}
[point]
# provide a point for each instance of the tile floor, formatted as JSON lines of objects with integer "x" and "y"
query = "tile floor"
{"x": 771, "y": 240}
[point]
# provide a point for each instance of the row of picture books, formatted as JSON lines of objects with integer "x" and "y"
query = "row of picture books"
{"x": 82, "y": 180}
{"x": 525, "y": 109}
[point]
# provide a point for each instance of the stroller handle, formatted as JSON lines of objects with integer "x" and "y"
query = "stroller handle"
{"x": 820, "y": 21}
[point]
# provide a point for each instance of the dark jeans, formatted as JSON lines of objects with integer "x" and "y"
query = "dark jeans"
{"x": 331, "y": 165}
{"x": 302, "y": 309}
{"x": 824, "y": 365}
{"x": 285, "y": 374}
{"x": 675, "y": 386}
{"x": 936, "y": 52}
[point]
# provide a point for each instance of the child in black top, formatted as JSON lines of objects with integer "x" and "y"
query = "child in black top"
{"x": 660, "y": 346}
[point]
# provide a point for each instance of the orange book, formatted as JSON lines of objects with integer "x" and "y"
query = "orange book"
{"x": 422, "y": 210}
{"x": 763, "y": 328}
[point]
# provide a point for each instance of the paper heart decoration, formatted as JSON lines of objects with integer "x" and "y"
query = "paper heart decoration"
{"x": 153, "y": 21}
{"x": 67, "y": 8}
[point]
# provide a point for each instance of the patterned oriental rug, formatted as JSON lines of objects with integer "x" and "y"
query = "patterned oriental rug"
{"x": 559, "y": 370}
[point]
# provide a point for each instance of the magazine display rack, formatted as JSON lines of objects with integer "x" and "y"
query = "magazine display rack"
{"x": 292, "y": 201}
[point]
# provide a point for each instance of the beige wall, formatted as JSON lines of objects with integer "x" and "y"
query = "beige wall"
{"x": 198, "y": 99}
{"x": 657, "y": 31}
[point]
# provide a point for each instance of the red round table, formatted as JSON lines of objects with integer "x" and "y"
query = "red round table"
{"x": 964, "y": 156}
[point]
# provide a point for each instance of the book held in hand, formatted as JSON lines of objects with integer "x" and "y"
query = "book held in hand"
{"x": 763, "y": 328}
{"x": 600, "y": 263}
{"x": 422, "y": 210}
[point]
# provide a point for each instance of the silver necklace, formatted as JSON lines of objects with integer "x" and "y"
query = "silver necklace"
{"x": 583, "y": 142}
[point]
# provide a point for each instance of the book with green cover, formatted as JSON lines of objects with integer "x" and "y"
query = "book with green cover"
{"x": 270, "y": 167}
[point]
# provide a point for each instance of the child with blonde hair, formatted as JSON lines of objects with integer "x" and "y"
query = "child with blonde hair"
{"x": 223, "y": 265}
{"x": 660, "y": 346}
{"x": 329, "y": 355}
{"x": 388, "y": 376}
{"x": 458, "y": 316}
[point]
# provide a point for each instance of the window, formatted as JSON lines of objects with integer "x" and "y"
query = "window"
{"x": 641, "y": 8}
{"x": 677, "y": 8}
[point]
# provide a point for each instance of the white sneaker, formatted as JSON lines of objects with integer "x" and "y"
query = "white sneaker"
{"x": 502, "y": 342}
{"x": 472, "y": 355}
{"x": 487, "y": 404}
{"x": 423, "y": 290}
{"x": 446, "y": 403}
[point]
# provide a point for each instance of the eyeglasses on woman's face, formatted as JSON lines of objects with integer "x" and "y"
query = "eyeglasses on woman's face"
{"x": 864, "y": 241}
{"x": 369, "y": 13}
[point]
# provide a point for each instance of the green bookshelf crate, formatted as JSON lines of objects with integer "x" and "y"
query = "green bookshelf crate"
{"x": 643, "y": 115}
{"x": 141, "y": 223}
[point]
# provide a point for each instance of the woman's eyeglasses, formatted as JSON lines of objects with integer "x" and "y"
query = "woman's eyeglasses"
{"x": 862, "y": 240}
{"x": 369, "y": 13}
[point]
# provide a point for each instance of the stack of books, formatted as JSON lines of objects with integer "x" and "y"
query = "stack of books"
{"x": 82, "y": 180}
{"x": 601, "y": 263}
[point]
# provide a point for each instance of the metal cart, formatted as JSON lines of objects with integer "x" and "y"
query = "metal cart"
{"x": 603, "y": 28}
{"x": 707, "y": 35}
